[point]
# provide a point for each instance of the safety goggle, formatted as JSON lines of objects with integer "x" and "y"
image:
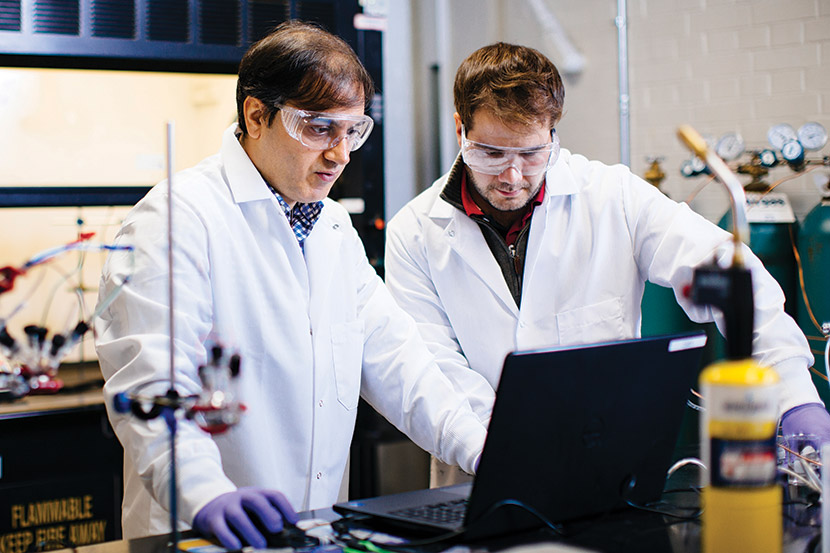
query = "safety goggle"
{"x": 494, "y": 160}
{"x": 322, "y": 131}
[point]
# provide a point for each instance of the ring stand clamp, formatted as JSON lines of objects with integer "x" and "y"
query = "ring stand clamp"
{"x": 215, "y": 409}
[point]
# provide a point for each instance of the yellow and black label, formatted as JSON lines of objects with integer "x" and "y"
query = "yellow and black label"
{"x": 56, "y": 515}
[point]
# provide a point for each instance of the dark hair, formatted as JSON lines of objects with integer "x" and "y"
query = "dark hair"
{"x": 305, "y": 64}
{"x": 517, "y": 84}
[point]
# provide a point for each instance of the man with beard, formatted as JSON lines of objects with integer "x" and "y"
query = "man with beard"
{"x": 266, "y": 261}
{"x": 523, "y": 246}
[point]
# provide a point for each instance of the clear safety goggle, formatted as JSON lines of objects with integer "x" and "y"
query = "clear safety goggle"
{"x": 494, "y": 160}
{"x": 321, "y": 131}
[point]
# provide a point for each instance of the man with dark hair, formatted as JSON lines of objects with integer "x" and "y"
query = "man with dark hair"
{"x": 524, "y": 246}
{"x": 265, "y": 261}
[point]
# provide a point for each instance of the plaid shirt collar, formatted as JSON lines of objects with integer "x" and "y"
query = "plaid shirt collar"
{"x": 301, "y": 217}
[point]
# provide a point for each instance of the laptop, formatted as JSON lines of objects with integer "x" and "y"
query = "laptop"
{"x": 575, "y": 431}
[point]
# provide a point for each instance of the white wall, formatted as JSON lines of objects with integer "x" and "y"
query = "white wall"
{"x": 719, "y": 65}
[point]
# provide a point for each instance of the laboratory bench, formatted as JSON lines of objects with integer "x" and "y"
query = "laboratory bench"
{"x": 60, "y": 466}
{"x": 626, "y": 531}
{"x": 61, "y": 482}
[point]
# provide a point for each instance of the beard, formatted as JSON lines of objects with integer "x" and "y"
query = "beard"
{"x": 488, "y": 194}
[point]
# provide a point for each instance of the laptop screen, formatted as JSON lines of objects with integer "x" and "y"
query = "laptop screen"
{"x": 582, "y": 430}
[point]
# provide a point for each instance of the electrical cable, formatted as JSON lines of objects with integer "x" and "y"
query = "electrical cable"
{"x": 49, "y": 545}
{"x": 698, "y": 189}
{"x": 801, "y": 478}
{"x": 682, "y": 463}
{"x": 824, "y": 329}
{"x": 653, "y": 508}
{"x": 799, "y": 455}
{"x": 800, "y": 267}
{"x": 695, "y": 406}
{"x": 691, "y": 404}
{"x": 656, "y": 506}
{"x": 405, "y": 548}
{"x": 815, "y": 372}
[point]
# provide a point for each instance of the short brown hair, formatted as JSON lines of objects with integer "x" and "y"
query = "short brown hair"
{"x": 517, "y": 84}
{"x": 305, "y": 64}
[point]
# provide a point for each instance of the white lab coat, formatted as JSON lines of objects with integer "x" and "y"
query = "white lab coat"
{"x": 314, "y": 333}
{"x": 600, "y": 233}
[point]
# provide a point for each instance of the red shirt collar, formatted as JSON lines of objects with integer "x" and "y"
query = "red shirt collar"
{"x": 471, "y": 208}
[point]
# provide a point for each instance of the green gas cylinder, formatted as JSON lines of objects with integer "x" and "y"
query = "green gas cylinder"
{"x": 660, "y": 312}
{"x": 814, "y": 250}
{"x": 771, "y": 225}
{"x": 771, "y": 220}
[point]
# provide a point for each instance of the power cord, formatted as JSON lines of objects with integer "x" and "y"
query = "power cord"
{"x": 655, "y": 507}
{"x": 343, "y": 531}
{"x": 49, "y": 545}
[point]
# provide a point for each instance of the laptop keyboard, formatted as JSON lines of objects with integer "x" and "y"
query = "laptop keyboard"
{"x": 446, "y": 512}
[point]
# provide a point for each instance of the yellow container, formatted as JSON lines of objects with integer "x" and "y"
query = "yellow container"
{"x": 737, "y": 520}
{"x": 741, "y": 501}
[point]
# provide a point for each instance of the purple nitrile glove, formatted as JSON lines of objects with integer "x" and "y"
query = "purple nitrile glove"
{"x": 228, "y": 517}
{"x": 810, "y": 418}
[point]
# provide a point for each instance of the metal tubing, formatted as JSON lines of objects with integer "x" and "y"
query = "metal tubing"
{"x": 171, "y": 319}
{"x": 625, "y": 100}
{"x": 737, "y": 197}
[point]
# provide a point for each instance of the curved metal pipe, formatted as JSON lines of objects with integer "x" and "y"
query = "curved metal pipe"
{"x": 737, "y": 197}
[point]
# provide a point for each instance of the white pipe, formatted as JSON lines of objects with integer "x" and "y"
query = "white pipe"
{"x": 572, "y": 62}
{"x": 622, "y": 63}
{"x": 740, "y": 226}
{"x": 447, "y": 141}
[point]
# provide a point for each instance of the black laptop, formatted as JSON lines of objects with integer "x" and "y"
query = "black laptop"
{"x": 575, "y": 431}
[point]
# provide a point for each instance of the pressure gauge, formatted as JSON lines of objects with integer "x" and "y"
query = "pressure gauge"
{"x": 698, "y": 165}
{"x": 768, "y": 158}
{"x": 780, "y": 134}
{"x": 730, "y": 146}
{"x": 812, "y": 136}
{"x": 693, "y": 167}
{"x": 793, "y": 152}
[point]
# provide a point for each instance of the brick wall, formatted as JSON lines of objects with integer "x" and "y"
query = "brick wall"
{"x": 727, "y": 66}
{"x": 719, "y": 65}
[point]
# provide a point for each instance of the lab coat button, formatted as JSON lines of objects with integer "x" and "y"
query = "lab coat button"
{"x": 451, "y": 233}
{"x": 335, "y": 226}
{"x": 319, "y": 475}
{"x": 321, "y": 403}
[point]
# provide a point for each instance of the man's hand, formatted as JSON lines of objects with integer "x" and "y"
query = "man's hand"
{"x": 810, "y": 418}
{"x": 228, "y": 517}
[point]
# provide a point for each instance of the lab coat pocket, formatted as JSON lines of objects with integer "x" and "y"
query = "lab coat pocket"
{"x": 592, "y": 323}
{"x": 347, "y": 357}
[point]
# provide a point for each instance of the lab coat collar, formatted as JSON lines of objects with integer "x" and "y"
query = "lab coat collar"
{"x": 465, "y": 238}
{"x": 244, "y": 180}
{"x": 559, "y": 180}
{"x": 443, "y": 209}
